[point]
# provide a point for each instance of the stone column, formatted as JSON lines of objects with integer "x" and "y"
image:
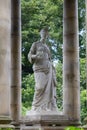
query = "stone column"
{"x": 15, "y": 60}
{"x": 71, "y": 80}
{"x": 5, "y": 30}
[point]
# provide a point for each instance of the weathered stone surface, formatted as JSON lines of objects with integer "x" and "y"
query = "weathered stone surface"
{"x": 5, "y": 119}
{"x": 48, "y": 120}
{"x": 5, "y": 41}
{"x": 15, "y": 60}
{"x": 44, "y": 121}
{"x": 71, "y": 77}
{"x": 42, "y": 128}
{"x": 44, "y": 73}
{"x": 5, "y": 127}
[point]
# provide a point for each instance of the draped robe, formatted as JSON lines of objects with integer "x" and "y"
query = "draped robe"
{"x": 45, "y": 79}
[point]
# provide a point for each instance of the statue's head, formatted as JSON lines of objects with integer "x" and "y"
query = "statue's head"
{"x": 44, "y": 33}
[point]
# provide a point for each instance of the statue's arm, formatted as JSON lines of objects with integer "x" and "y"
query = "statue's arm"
{"x": 32, "y": 53}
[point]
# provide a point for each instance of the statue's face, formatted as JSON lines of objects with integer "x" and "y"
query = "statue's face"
{"x": 43, "y": 34}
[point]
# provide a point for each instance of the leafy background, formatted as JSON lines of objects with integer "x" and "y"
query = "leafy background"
{"x": 35, "y": 15}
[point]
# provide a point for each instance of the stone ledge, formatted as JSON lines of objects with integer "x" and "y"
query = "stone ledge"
{"x": 6, "y": 126}
{"x": 5, "y": 120}
{"x": 42, "y": 128}
{"x": 48, "y": 120}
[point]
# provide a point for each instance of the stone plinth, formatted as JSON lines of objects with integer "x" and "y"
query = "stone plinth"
{"x": 5, "y": 122}
{"x": 45, "y": 121}
{"x": 42, "y": 128}
{"x": 5, "y": 119}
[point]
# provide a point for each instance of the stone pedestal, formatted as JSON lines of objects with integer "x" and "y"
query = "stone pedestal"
{"x": 45, "y": 121}
{"x": 5, "y": 31}
{"x": 42, "y": 128}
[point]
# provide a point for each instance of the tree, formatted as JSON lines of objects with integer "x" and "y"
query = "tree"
{"x": 35, "y": 15}
{"x": 28, "y": 90}
{"x": 83, "y": 91}
{"x": 82, "y": 32}
{"x": 59, "y": 75}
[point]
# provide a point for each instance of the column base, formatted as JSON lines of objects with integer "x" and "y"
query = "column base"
{"x": 6, "y": 126}
{"x": 16, "y": 125}
{"x": 5, "y": 120}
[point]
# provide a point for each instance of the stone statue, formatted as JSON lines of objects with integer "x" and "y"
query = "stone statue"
{"x": 44, "y": 73}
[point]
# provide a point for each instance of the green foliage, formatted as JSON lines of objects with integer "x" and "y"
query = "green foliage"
{"x": 24, "y": 110}
{"x": 39, "y": 13}
{"x": 59, "y": 85}
{"x": 28, "y": 90}
{"x": 83, "y": 105}
{"x": 81, "y": 17}
{"x": 73, "y": 128}
{"x": 35, "y": 15}
{"x": 83, "y": 73}
{"x": 83, "y": 93}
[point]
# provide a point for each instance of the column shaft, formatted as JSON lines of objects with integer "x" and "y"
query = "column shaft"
{"x": 16, "y": 59}
{"x": 71, "y": 81}
{"x": 5, "y": 30}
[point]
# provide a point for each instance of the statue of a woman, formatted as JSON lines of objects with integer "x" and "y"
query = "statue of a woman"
{"x": 44, "y": 73}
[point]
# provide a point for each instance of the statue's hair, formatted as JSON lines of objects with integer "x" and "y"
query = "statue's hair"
{"x": 45, "y": 29}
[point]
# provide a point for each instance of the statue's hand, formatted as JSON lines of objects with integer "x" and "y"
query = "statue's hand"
{"x": 33, "y": 56}
{"x": 39, "y": 55}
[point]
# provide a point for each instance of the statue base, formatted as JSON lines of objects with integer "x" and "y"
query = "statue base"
{"x": 46, "y": 121}
{"x": 43, "y": 128}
